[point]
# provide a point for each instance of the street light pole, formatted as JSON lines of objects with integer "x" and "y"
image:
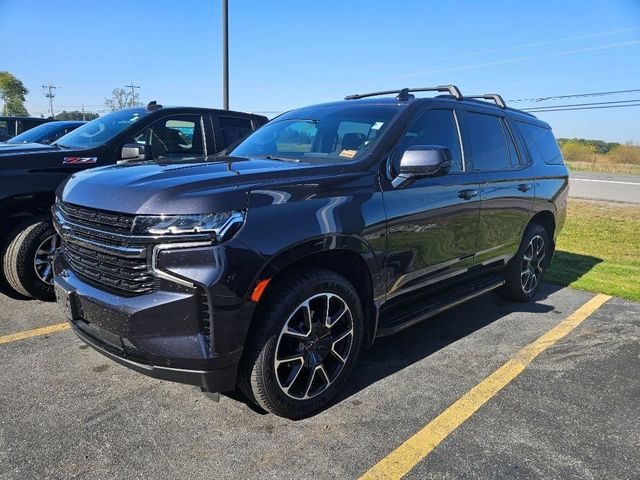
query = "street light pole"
{"x": 225, "y": 54}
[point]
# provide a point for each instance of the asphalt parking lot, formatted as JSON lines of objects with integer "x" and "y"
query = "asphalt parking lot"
{"x": 573, "y": 412}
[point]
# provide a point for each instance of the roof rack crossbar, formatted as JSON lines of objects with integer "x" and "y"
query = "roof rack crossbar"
{"x": 491, "y": 96}
{"x": 403, "y": 94}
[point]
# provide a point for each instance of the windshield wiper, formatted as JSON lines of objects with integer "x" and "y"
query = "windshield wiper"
{"x": 282, "y": 159}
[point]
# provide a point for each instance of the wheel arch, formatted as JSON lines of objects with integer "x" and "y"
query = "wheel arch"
{"x": 546, "y": 219}
{"x": 15, "y": 209}
{"x": 346, "y": 255}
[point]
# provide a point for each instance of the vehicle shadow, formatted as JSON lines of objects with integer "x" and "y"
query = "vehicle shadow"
{"x": 392, "y": 354}
{"x": 567, "y": 267}
{"x": 5, "y": 290}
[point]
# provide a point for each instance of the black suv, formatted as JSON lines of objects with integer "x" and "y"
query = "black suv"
{"x": 31, "y": 173}
{"x": 266, "y": 269}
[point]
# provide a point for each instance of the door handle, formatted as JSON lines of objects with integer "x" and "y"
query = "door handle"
{"x": 525, "y": 187}
{"x": 468, "y": 194}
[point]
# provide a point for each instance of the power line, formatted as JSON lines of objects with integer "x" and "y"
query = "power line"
{"x": 535, "y": 109}
{"x": 574, "y": 95}
{"x": 585, "y": 108}
{"x": 49, "y": 89}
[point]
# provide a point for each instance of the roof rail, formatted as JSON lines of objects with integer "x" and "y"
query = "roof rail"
{"x": 491, "y": 96}
{"x": 404, "y": 93}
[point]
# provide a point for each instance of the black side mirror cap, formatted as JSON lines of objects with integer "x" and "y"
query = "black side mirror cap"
{"x": 423, "y": 161}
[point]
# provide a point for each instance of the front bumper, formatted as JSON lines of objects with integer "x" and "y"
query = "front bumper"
{"x": 158, "y": 334}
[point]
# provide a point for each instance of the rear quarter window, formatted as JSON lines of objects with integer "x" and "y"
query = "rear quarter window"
{"x": 541, "y": 143}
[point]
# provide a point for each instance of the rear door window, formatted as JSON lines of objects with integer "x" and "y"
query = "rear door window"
{"x": 233, "y": 129}
{"x": 486, "y": 137}
{"x": 541, "y": 143}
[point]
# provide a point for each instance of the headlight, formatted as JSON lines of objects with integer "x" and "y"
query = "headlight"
{"x": 220, "y": 224}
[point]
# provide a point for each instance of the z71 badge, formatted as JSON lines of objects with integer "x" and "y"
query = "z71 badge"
{"x": 79, "y": 160}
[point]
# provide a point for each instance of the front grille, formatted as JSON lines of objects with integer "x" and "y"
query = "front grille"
{"x": 100, "y": 258}
{"x": 126, "y": 276}
{"x": 113, "y": 221}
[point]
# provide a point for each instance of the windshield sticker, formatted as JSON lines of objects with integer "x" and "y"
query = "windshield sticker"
{"x": 348, "y": 153}
{"x": 79, "y": 160}
{"x": 377, "y": 126}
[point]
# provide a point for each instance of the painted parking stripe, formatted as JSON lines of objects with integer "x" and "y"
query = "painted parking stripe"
{"x": 603, "y": 181}
{"x": 36, "y": 332}
{"x": 400, "y": 462}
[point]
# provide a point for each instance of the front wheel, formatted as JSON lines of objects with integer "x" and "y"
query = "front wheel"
{"x": 27, "y": 258}
{"x": 305, "y": 344}
{"x": 526, "y": 269}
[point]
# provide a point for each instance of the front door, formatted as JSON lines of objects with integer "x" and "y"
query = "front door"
{"x": 432, "y": 222}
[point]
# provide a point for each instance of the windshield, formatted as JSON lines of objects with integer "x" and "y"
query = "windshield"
{"x": 39, "y": 134}
{"x": 335, "y": 132}
{"x": 102, "y": 129}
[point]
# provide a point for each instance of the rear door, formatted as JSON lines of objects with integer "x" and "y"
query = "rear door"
{"x": 506, "y": 186}
{"x": 431, "y": 222}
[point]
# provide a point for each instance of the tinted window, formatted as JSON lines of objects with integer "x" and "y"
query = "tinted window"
{"x": 173, "y": 137}
{"x": 513, "y": 153}
{"x": 433, "y": 127}
{"x": 4, "y": 131}
{"x": 335, "y": 132}
{"x": 233, "y": 129}
{"x": 486, "y": 137}
{"x": 7, "y": 128}
{"x": 541, "y": 143}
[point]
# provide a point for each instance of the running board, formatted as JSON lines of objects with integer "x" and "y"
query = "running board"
{"x": 439, "y": 303}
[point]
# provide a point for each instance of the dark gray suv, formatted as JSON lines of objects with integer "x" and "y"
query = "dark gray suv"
{"x": 266, "y": 269}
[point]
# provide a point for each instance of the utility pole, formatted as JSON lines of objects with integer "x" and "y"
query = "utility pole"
{"x": 48, "y": 92}
{"x": 83, "y": 114}
{"x": 225, "y": 54}
{"x": 133, "y": 93}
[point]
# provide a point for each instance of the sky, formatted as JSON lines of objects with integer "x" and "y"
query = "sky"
{"x": 286, "y": 54}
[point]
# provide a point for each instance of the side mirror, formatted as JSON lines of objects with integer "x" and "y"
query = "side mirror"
{"x": 133, "y": 151}
{"x": 423, "y": 161}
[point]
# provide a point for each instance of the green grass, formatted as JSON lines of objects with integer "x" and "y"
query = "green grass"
{"x": 628, "y": 168}
{"x": 599, "y": 249}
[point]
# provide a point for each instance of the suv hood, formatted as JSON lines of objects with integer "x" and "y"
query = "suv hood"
{"x": 184, "y": 187}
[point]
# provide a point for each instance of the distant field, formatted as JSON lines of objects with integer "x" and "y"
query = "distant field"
{"x": 599, "y": 249}
{"x": 597, "y": 156}
{"x": 604, "y": 167}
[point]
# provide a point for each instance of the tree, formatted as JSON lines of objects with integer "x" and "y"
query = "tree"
{"x": 12, "y": 93}
{"x": 120, "y": 98}
{"x": 576, "y": 151}
{"x": 76, "y": 115}
{"x": 627, "y": 153}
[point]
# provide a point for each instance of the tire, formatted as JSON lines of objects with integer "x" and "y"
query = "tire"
{"x": 325, "y": 356}
{"x": 19, "y": 258}
{"x": 533, "y": 257}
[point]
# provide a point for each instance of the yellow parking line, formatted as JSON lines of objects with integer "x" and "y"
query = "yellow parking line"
{"x": 399, "y": 462}
{"x": 36, "y": 332}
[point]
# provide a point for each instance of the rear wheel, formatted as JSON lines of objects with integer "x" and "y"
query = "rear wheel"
{"x": 307, "y": 341}
{"x": 27, "y": 258}
{"x": 526, "y": 269}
